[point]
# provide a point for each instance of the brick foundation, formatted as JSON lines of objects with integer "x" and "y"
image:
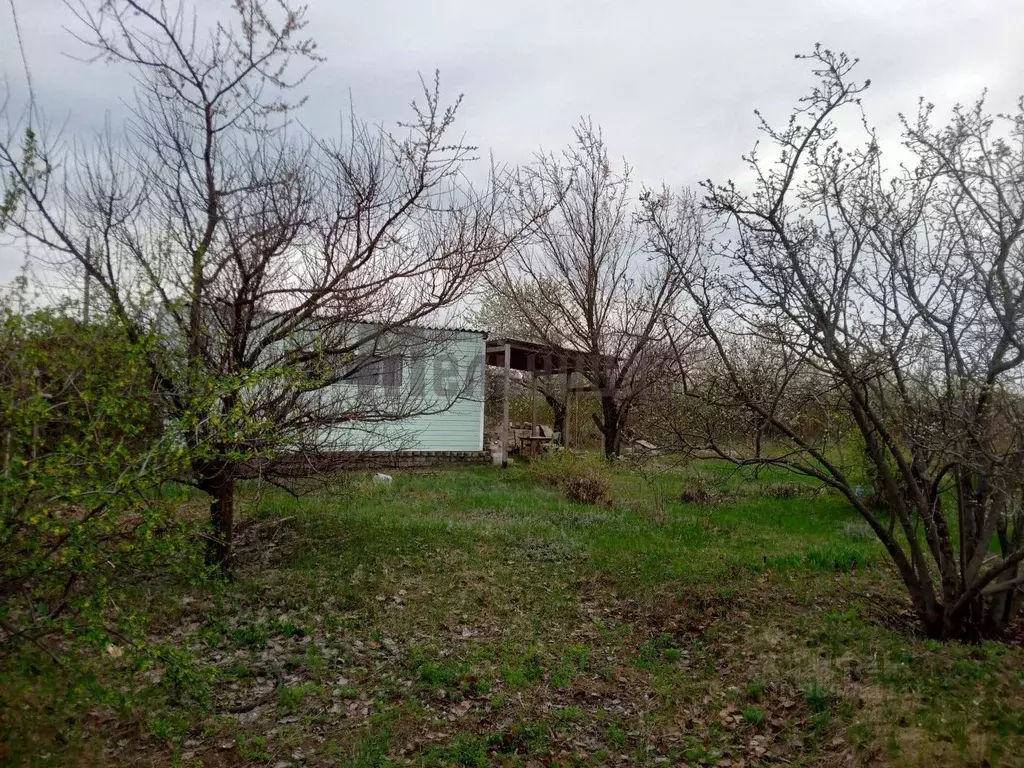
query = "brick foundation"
{"x": 412, "y": 459}
{"x": 299, "y": 466}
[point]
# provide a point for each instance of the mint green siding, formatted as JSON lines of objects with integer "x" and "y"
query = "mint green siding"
{"x": 460, "y": 425}
{"x": 440, "y": 398}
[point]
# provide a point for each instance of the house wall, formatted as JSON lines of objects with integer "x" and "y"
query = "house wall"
{"x": 460, "y": 425}
{"x": 442, "y": 386}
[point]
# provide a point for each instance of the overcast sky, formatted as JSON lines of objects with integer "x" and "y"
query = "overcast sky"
{"x": 673, "y": 83}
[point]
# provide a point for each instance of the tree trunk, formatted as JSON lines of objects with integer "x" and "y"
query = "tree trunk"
{"x": 219, "y": 483}
{"x": 984, "y": 618}
{"x": 610, "y": 425}
{"x": 558, "y": 410}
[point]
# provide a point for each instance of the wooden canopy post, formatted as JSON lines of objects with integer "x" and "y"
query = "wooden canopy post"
{"x": 504, "y": 417}
{"x": 533, "y": 403}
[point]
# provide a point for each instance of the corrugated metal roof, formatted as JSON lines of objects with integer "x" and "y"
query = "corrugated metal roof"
{"x": 357, "y": 321}
{"x": 443, "y": 328}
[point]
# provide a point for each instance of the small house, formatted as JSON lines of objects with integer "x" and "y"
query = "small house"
{"x": 415, "y": 395}
{"x": 409, "y": 396}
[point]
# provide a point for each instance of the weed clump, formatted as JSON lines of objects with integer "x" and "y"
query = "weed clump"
{"x": 698, "y": 494}
{"x": 588, "y": 487}
{"x": 583, "y": 479}
{"x": 784, "y": 490}
{"x": 702, "y": 490}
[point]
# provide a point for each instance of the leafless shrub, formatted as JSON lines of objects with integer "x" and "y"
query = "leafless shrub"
{"x": 587, "y": 486}
{"x": 580, "y": 477}
{"x": 699, "y": 494}
{"x": 784, "y": 490}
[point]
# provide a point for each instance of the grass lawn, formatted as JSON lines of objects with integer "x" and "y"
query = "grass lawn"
{"x": 476, "y": 617}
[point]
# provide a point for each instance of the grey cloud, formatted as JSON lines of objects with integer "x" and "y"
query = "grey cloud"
{"x": 673, "y": 83}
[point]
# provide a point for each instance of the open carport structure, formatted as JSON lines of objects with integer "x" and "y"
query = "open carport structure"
{"x": 539, "y": 359}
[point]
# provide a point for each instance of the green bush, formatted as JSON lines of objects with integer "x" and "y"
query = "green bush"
{"x": 83, "y": 458}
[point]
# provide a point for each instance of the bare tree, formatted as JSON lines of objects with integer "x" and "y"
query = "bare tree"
{"x": 508, "y": 314}
{"x": 587, "y": 281}
{"x": 888, "y": 305}
{"x": 279, "y": 268}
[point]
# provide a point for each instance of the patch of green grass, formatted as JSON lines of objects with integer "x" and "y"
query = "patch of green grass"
{"x": 469, "y": 749}
{"x": 522, "y": 738}
{"x": 615, "y": 734}
{"x": 657, "y": 650}
{"x": 445, "y": 673}
{"x": 753, "y": 715}
{"x": 441, "y": 675}
{"x": 574, "y": 662}
{"x": 520, "y": 670}
{"x": 526, "y": 622}
{"x": 185, "y": 677}
{"x": 169, "y": 728}
{"x": 370, "y": 751}
{"x": 700, "y": 754}
{"x": 817, "y": 698}
{"x": 252, "y": 747}
{"x": 835, "y": 558}
{"x": 571, "y": 715}
{"x": 257, "y": 634}
{"x": 290, "y": 697}
{"x": 237, "y": 671}
{"x": 251, "y": 636}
